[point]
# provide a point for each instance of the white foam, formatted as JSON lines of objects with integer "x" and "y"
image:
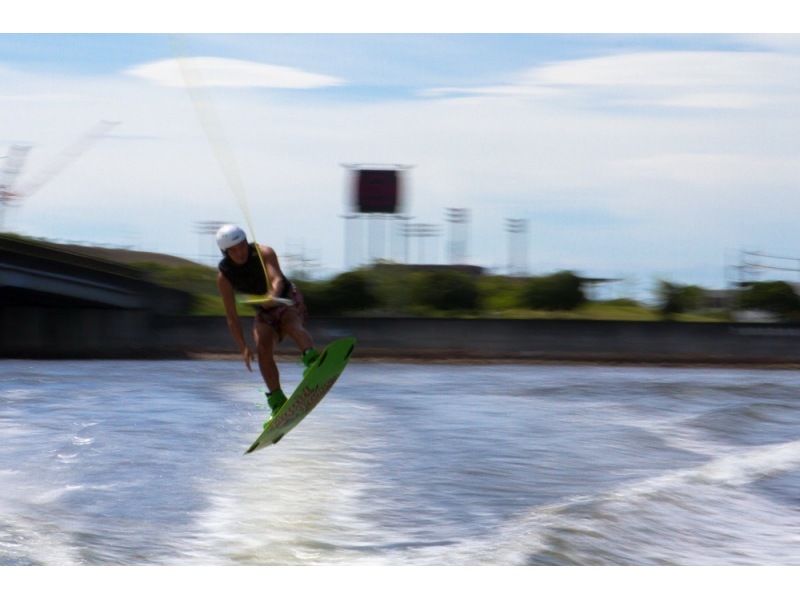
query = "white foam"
{"x": 697, "y": 516}
{"x": 749, "y": 465}
{"x": 25, "y": 535}
{"x": 288, "y": 506}
{"x": 54, "y": 494}
{"x": 21, "y": 393}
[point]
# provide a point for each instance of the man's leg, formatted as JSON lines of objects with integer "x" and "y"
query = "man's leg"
{"x": 266, "y": 338}
{"x": 293, "y": 327}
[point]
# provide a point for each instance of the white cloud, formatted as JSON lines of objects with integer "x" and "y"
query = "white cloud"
{"x": 783, "y": 42}
{"x": 40, "y": 97}
{"x": 510, "y": 90}
{"x": 726, "y": 80}
{"x": 719, "y": 100}
{"x": 669, "y": 69}
{"x": 653, "y": 188}
{"x": 713, "y": 170}
{"x": 225, "y": 72}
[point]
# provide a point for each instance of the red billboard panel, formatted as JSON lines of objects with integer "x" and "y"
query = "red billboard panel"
{"x": 377, "y": 191}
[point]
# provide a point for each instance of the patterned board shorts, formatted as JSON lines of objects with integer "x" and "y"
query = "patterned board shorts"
{"x": 274, "y": 315}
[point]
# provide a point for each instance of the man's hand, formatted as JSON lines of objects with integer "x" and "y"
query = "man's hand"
{"x": 248, "y": 356}
{"x": 270, "y": 301}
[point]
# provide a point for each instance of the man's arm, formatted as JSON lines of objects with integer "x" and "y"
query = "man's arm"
{"x": 276, "y": 279}
{"x": 234, "y": 325}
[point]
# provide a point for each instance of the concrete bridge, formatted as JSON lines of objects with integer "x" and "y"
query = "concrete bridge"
{"x": 34, "y": 274}
{"x": 50, "y": 297}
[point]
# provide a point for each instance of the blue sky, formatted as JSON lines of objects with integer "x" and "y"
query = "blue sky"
{"x": 383, "y": 62}
{"x": 636, "y": 156}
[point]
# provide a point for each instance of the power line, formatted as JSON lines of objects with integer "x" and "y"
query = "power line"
{"x": 772, "y": 257}
{"x": 765, "y": 267}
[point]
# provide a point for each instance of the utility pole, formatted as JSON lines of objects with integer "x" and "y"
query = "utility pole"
{"x": 350, "y": 237}
{"x": 458, "y": 218}
{"x": 517, "y": 229}
{"x": 400, "y": 231}
{"x": 420, "y": 231}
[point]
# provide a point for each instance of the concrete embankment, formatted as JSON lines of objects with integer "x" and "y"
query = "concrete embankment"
{"x": 98, "y": 333}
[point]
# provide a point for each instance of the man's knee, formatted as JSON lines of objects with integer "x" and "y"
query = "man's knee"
{"x": 292, "y": 322}
{"x": 265, "y": 337}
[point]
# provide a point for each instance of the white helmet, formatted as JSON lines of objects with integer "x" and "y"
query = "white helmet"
{"x": 230, "y": 235}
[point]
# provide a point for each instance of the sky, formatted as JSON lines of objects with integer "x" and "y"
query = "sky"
{"x": 638, "y": 156}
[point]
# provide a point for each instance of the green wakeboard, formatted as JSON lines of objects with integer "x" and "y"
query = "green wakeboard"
{"x": 311, "y": 390}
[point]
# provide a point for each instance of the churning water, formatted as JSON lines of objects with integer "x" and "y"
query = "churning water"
{"x": 140, "y": 462}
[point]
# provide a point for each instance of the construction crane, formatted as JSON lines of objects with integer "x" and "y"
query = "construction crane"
{"x": 12, "y": 193}
{"x": 12, "y": 166}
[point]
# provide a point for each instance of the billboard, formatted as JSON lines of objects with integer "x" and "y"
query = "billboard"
{"x": 377, "y": 191}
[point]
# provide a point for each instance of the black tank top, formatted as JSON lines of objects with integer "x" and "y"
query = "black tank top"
{"x": 249, "y": 277}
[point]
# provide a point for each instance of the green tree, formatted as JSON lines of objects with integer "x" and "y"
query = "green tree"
{"x": 777, "y": 297}
{"x": 317, "y": 297}
{"x": 447, "y": 291}
{"x": 678, "y": 299}
{"x": 559, "y": 291}
{"x": 351, "y": 291}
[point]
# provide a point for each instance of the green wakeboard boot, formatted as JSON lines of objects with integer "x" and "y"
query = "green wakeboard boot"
{"x": 308, "y": 358}
{"x": 275, "y": 400}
